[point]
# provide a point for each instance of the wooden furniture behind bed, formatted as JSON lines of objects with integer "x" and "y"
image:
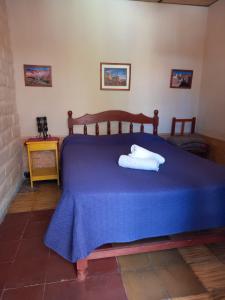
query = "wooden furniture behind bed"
{"x": 111, "y": 116}
{"x": 183, "y": 122}
{"x": 191, "y": 142}
{"x": 174, "y": 242}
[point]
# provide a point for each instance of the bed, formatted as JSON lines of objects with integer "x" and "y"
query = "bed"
{"x": 103, "y": 203}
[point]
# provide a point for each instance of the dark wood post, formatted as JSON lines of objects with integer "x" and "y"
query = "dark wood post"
{"x": 182, "y": 127}
{"x": 82, "y": 267}
{"x": 108, "y": 128}
{"x": 96, "y": 129}
{"x": 173, "y": 126}
{"x": 120, "y": 127}
{"x": 131, "y": 127}
{"x": 155, "y": 122}
{"x": 193, "y": 125}
{"x": 70, "y": 125}
{"x": 85, "y": 129}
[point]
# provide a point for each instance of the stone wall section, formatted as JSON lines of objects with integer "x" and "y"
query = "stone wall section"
{"x": 10, "y": 142}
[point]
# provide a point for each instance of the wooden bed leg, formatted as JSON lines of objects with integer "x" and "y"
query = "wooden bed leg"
{"x": 82, "y": 269}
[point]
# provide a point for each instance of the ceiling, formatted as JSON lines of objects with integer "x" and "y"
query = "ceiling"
{"x": 184, "y": 2}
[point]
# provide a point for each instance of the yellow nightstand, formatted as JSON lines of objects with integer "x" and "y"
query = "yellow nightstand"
{"x": 38, "y": 144}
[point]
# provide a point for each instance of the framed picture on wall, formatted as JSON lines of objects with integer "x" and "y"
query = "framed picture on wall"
{"x": 181, "y": 79}
{"x": 36, "y": 75}
{"x": 115, "y": 76}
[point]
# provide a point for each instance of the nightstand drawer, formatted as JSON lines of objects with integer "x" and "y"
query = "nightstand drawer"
{"x": 42, "y": 146}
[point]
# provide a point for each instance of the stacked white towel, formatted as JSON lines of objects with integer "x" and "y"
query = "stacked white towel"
{"x": 140, "y": 152}
{"x": 142, "y": 159}
{"x": 127, "y": 161}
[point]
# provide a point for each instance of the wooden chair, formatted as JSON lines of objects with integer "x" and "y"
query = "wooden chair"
{"x": 190, "y": 141}
{"x": 183, "y": 122}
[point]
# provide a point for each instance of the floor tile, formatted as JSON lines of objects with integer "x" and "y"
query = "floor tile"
{"x": 52, "y": 252}
{"x": 24, "y": 293}
{"x": 26, "y": 272}
{"x": 165, "y": 258}
{"x": 4, "y": 269}
{"x": 204, "y": 296}
{"x": 218, "y": 294}
{"x": 211, "y": 274}
{"x": 22, "y": 203}
{"x": 22, "y": 206}
{"x": 45, "y": 195}
{"x": 16, "y": 219}
{"x": 102, "y": 266}
{"x": 143, "y": 285}
{"x": 218, "y": 250}
{"x": 8, "y": 250}
{"x": 32, "y": 248}
{"x": 35, "y": 229}
{"x": 97, "y": 287}
{"x": 50, "y": 194}
{"x": 54, "y": 189}
{"x": 197, "y": 254}
{"x": 42, "y": 215}
{"x": 59, "y": 269}
{"x": 24, "y": 197}
{"x": 67, "y": 290}
{"x": 44, "y": 204}
{"x": 10, "y": 232}
{"x": 107, "y": 287}
{"x": 26, "y": 187}
{"x": 180, "y": 280}
{"x": 133, "y": 262}
{"x": 43, "y": 186}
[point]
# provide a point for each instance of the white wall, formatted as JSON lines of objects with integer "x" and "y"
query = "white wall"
{"x": 211, "y": 117}
{"x": 74, "y": 36}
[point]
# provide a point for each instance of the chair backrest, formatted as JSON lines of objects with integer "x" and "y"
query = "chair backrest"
{"x": 183, "y": 122}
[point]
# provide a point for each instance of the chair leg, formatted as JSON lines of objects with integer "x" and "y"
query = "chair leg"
{"x": 82, "y": 269}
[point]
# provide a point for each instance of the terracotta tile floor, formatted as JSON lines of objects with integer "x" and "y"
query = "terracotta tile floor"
{"x": 30, "y": 271}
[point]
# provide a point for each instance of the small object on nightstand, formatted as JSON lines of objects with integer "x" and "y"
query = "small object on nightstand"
{"x": 42, "y": 127}
{"x": 191, "y": 142}
{"x": 41, "y": 144}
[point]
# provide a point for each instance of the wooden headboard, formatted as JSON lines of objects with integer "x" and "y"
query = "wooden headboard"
{"x": 113, "y": 115}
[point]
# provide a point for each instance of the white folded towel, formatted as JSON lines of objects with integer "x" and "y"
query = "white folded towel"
{"x": 126, "y": 161}
{"x": 140, "y": 152}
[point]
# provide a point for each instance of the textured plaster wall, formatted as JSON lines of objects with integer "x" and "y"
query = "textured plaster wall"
{"x": 10, "y": 142}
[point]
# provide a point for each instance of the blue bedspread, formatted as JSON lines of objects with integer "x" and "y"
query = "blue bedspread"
{"x": 103, "y": 203}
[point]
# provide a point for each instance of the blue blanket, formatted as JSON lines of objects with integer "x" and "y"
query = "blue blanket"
{"x": 103, "y": 203}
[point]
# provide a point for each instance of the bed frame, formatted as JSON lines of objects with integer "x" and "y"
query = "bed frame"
{"x": 176, "y": 241}
{"x": 110, "y": 116}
